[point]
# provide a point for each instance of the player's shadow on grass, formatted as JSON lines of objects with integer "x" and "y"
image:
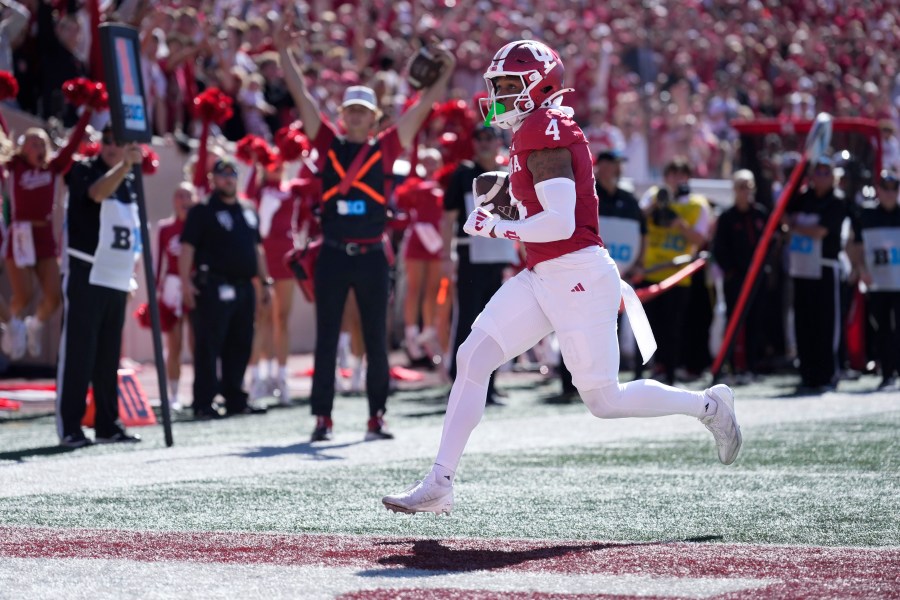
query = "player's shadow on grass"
{"x": 317, "y": 451}
{"x": 19, "y": 455}
{"x": 431, "y": 557}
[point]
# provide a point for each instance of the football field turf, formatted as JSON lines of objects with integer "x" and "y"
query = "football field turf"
{"x": 550, "y": 503}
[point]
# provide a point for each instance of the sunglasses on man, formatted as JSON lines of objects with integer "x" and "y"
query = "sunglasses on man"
{"x": 109, "y": 140}
{"x": 890, "y": 185}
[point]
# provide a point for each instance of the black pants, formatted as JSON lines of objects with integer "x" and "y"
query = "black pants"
{"x": 223, "y": 331}
{"x": 884, "y": 311}
{"x": 89, "y": 352}
{"x": 475, "y": 284}
{"x": 817, "y": 326}
{"x": 666, "y": 314}
{"x": 367, "y": 274}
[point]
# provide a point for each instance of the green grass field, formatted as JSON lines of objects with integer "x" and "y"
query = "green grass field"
{"x": 813, "y": 470}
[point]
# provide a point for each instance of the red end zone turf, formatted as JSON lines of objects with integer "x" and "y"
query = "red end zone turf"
{"x": 763, "y": 571}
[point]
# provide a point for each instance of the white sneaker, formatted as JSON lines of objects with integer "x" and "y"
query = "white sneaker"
{"x": 34, "y": 333}
{"x": 428, "y": 341}
{"x": 723, "y": 424}
{"x": 428, "y": 495}
{"x": 14, "y": 339}
{"x": 283, "y": 393}
{"x": 413, "y": 346}
{"x": 258, "y": 389}
{"x": 358, "y": 379}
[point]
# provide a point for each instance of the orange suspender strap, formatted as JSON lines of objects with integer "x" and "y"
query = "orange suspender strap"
{"x": 353, "y": 176}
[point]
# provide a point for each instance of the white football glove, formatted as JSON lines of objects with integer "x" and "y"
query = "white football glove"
{"x": 481, "y": 222}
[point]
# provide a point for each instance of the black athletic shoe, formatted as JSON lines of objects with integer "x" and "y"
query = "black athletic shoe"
{"x": 206, "y": 414}
{"x": 75, "y": 440}
{"x": 250, "y": 409}
{"x": 378, "y": 430}
{"x": 120, "y": 437}
{"x": 322, "y": 431}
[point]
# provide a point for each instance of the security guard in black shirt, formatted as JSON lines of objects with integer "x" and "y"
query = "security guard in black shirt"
{"x": 815, "y": 218}
{"x": 102, "y": 232}
{"x": 221, "y": 252}
{"x": 354, "y": 167}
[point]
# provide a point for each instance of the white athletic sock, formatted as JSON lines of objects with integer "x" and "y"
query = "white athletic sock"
{"x": 477, "y": 358}
{"x": 173, "y": 387}
{"x": 254, "y": 372}
{"x": 645, "y": 398}
{"x": 282, "y": 372}
{"x": 443, "y": 475}
{"x": 273, "y": 368}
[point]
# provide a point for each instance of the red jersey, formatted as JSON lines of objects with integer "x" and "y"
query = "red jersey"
{"x": 169, "y": 246}
{"x": 545, "y": 129}
{"x": 33, "y": 189}
{"x": 423, "y": 200}
{"x": 277, "y": 208}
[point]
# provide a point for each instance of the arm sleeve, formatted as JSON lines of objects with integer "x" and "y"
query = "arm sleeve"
{"x": 63, "y": 159}
{"x": 555, "y": 222}
{"x": 323, "y": 141}
{"x": 389, "y": 142}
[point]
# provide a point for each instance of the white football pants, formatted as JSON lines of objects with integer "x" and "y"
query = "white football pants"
{"x": 578, "y": 297}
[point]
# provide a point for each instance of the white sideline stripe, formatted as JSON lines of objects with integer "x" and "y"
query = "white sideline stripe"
{"x": 93, "y": 578}
{"x": 86, "y": 472}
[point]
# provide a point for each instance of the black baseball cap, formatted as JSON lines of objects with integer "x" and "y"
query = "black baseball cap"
{"x": 224, "y": 166}
{"x": 481, "y": 128}
{"x": 612, "y": 154}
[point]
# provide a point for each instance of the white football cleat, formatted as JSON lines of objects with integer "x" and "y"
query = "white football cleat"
{"x": 428, "y": 495}
{"x": 723, "y": 424}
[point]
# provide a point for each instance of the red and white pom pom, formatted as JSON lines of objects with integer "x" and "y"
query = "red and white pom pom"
{"x": 9, "y": 86}
{"x": 291, "y": 142}
{"x": 213, "y": 106}
{"x": 150, "y": 164}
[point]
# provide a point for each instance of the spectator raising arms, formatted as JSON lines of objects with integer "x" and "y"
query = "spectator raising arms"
{"x": 354, "y": 169}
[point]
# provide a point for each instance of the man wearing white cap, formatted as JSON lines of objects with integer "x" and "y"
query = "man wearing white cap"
{"x": 355, "y": 168}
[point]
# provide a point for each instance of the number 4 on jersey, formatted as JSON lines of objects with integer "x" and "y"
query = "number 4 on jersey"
{"x": 553, "y": 129}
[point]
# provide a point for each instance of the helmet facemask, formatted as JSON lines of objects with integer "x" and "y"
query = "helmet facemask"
{"x": 495, "y": 112}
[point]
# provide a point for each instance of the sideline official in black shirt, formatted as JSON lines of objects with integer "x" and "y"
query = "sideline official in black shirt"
{"x": 102, "y": 247}
{"x": 815, "y": 218}
{"x": 221, "y": 253}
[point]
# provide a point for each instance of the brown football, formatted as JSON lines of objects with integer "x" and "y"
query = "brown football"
{"x": 491, "y": 190}
{"x": 424, "y": 69}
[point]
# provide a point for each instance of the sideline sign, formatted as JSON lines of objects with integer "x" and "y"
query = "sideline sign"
{"x": 120, "y": 46}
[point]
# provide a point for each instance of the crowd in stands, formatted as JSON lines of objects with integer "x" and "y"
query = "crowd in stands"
{"x": 656, "y": 83}
{"x": 673, "y": 74}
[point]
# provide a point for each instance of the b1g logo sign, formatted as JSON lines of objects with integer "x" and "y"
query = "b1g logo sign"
{"x": 801, "y": 244}
{"x": 132, "y": 102}
{"x": 351, "y": 208}
{"x": 620, "y": 252}
{"x": 886, "y": 256}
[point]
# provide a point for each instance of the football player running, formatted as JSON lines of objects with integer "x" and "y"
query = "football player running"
{"x": 571, "y": 285}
